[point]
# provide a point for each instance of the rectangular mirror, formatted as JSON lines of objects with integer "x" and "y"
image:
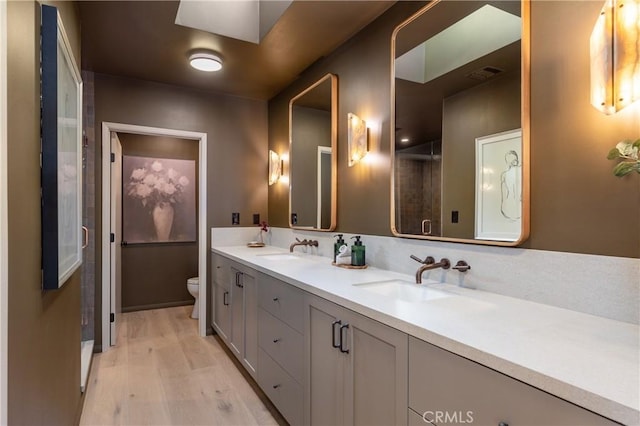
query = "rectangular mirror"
{"x": 312, "y": 156}
{"x": 460, "y": 123}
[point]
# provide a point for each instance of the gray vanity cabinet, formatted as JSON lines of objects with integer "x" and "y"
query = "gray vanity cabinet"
{"x": 357, "y": 368}
{"x": 447, "y": 387}
{"x": 281, "y": 346}
{"x": 244, "y": 317}
{"x": 221, "y": 296}
{"x": 235, "y": 316}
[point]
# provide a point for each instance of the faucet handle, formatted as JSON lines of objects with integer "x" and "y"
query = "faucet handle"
{"x": 462, "y": 266}
{"x": 427, "y": 261}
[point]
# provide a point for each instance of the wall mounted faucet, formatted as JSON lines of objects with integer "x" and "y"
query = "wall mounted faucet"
{"x": 428, "y": 264}
{"x": 305, "y": 242}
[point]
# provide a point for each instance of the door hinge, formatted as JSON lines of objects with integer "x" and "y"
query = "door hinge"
{"x": 112, "y": 237}
{"x": 113, "y": 157}
{"x": 112, "y": 317}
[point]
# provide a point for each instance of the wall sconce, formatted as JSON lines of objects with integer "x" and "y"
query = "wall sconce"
{"x": 615, "y": 61}
{"x": 275, "y": 167}
{"x": 357, "y": 138}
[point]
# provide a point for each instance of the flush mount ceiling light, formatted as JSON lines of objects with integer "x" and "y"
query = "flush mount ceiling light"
{"x": 206, "y": 62}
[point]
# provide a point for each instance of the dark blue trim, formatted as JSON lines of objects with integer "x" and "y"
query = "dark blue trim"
{"x": 49, "y": 141}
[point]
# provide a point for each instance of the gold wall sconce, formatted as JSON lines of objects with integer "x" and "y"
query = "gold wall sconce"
{"x": 357, "y": 138}
{"x": 615, "y": 56}
{"x": 275, "y": 167}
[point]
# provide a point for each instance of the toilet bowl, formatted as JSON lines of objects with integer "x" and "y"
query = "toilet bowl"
{"x": 193, "y": 285}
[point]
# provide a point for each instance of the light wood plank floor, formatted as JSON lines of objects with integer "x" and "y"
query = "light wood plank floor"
{"x": 162, "y": 373}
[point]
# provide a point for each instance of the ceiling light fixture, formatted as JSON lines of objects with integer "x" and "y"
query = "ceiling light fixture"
{"x": 206, "y": 62}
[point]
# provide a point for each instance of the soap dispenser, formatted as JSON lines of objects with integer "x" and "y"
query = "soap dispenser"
{"x": 336, "y": 247}
{"x": 357, "y": 252}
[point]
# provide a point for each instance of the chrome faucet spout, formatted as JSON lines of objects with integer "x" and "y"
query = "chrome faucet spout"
{"x": 444, "y": 264}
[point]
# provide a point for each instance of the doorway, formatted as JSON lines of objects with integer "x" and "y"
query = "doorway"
{"x": 109, "y": 255}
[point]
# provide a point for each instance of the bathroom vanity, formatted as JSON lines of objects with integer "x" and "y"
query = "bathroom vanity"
{"x": 337, "y": 346}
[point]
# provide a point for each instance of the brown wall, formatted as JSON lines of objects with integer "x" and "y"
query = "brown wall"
{"x": 236, "y": 144}
{"x": 486, "y": 109}
{"x": 44, "y": 327}
{"x": 576, "y": 203}
{"x": 155, "y": 275}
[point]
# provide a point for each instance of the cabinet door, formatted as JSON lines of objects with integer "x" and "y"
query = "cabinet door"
{"x": 236, "y": 338}
{"x": 326, "y": 364}
{"x": 376, "y": 380}
{"x": 222, "y": 312}
{"x": 444, "y": 384}
{"x": 250, "y": 354}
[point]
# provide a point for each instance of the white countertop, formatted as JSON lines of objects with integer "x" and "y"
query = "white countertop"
{"x": 591, "y": 361}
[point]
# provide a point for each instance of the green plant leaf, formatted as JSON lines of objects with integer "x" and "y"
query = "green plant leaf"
{"x": 624, "y": 168}
{"x": 613, "y": 154}
{"x": 636, "y": 144}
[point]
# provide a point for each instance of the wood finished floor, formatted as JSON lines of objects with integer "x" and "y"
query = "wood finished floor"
{"x": 162, "y": 373}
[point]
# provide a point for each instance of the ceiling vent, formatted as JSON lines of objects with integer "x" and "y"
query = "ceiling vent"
{"x": 484, "y": 73}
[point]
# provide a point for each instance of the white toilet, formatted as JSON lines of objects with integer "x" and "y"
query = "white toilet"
{"x": 193, "y": 285}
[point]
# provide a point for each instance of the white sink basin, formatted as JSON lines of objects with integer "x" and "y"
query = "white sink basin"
{"x": 279, "y": 256}
{"x": 404, "y": 290}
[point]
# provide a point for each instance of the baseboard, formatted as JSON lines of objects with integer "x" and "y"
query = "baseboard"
{"x": 157, "y": 306}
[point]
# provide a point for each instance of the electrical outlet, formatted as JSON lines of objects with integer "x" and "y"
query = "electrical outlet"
{"x": 294, "y": 218}
{"x": 454, "y": 216}
{"x": 235, "y": 218}
{"x": 256, "y": 218}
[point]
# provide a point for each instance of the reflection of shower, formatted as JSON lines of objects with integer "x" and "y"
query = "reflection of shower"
{"x": 418, "y": 189}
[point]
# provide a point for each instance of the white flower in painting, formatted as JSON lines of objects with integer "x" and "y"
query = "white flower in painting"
{"x": 156, "y": 166}
{"x": 172, "y": 174}
{"x": 138, "y": 174}
{"x": 153, "y": 183}
{"x": 169, "y": 189}
{"x": 142, "y": 190}
{"x": 150, "y": 180}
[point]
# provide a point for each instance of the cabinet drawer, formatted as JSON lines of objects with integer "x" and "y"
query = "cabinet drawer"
{"x": 281, "y": 300}
{"x": 220, "y": 267}
{"x": 282, "y": 343}
{"x": 281, "y": 388}
{"x": 442, "y": 382}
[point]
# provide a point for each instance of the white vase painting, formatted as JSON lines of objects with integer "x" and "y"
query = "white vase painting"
{"x": 158, "y": 200}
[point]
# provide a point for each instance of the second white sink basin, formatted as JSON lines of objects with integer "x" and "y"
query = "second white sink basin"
{"x": 404, "y": 290}
{"x": 279, "y": 256}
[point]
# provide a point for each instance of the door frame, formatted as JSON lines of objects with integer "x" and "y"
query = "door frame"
{"x": 107, "y": 284}
{"x": 4, "y": 253}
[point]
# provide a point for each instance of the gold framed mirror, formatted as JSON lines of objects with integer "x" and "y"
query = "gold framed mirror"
{"x": 460, "y": 123}
{"x": 313, "y": 147}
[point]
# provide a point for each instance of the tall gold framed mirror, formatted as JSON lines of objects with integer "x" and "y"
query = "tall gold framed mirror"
{"x": 313, "y": 147}
{"x": 460, "y": 123}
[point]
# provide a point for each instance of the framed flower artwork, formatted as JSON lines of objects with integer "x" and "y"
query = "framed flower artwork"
{"x": 159, "y": 200}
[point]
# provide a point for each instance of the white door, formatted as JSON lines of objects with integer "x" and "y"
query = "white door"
{"x": 116, "y": 231}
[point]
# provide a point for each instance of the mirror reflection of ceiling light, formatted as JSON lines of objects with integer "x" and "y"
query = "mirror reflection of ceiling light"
{"x": 206, "y": 62}
{"x": 404, "y": 140}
